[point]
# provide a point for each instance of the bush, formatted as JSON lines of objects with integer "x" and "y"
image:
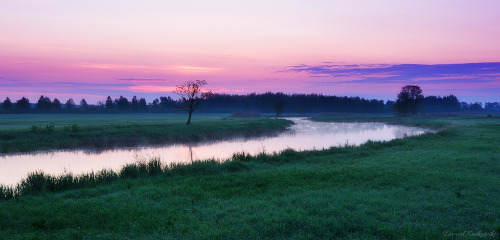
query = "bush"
{"x": 35, "y": 129}
{"x": 36, "y": 182}
{"x": 245, "y": 157}
{"x": 155, "y": 167}
{"x": 48, "y": 128}
{"x": 234, "y": 166}
{"x": 71, "y": 128}
{"x": 106, "y": 176}
{"x": 129, "y": 171}
{"x": 6, "y": 193}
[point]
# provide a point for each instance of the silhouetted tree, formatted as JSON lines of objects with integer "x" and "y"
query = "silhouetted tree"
{"x": 56, "y": 105}
{"x": 301, "y": 109}
{"x": 23, "y": 105}
{"x": 266, "y": 102}
{"x": 7, "y": 105}
{"x": 44, "y": 104}
{"x": 279, "y": 107}
{"x": 191, "y": 96}
{"x": 122, "y": 103}
{"x": 389, "y": 105}
{"x": 83, "y": 104}
{"x": 409, "y": 100}
{"x": 69, "y": 105}
{"x": 135, "y": 104}
{"x": 154, "y": 105}
{"x": 166, "y": 103}
{"x": 109, "y": 103}
{"x": 478, "y": 106}
{"x": 495, "y": 106}
{"x": 441, "y": 104}
{"x": 143, "y": 105}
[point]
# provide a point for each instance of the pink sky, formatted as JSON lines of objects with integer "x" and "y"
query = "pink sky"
{"x": 92, "y": 49}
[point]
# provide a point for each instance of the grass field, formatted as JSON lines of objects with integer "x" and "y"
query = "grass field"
{"x": 24, "y": 133}
{"x": 435, "y": 186}
{"x": 25, "y": 121}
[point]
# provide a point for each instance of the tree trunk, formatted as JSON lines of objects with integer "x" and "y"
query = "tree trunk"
{"x": 189, "y": 118}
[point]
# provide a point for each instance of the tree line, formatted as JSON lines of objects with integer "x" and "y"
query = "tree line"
{"x": 259, "y": 103}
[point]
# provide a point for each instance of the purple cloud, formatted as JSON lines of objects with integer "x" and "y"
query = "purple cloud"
{"x": 404, "y": 73}
{"x": 143, "y": 79}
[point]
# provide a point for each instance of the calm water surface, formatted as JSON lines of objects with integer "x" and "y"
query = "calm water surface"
{"x": 303, "y": 135}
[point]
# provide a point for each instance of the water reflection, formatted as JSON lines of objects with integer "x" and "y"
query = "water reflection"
{"x": 304, "y": 135}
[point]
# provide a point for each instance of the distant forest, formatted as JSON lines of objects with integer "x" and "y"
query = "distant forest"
{"x": 245, "y": 104}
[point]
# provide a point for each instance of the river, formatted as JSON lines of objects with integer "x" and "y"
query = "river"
{"x": 303, "y": 135}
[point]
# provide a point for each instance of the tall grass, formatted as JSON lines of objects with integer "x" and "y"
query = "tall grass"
{"x": 39, "y": 182}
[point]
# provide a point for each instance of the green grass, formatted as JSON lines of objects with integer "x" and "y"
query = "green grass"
{"x": 25, "y": 121}
{"x": 431, "y": 121}
{"x": 424, "y": 187}
{"x": 42, "y": 132}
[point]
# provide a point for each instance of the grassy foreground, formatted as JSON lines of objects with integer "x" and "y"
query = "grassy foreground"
{"x": 24, "y": 132}
{"x": 435, "y": 186}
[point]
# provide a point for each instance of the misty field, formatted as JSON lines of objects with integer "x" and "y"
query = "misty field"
{"x": 32, "y": 132}
{"x": 433, "y": 186}
{"x": 26, "y": 121}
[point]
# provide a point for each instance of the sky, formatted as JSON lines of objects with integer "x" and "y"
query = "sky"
{"x": 93, "y": 49}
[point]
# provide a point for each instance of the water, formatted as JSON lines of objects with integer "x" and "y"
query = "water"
{"x": 304, "y": 135}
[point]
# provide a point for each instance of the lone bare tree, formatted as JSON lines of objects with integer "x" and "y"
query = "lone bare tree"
{"x": 192, "y": 95}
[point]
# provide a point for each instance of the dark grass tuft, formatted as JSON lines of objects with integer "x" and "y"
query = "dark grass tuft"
{"x": 39, "y": 182}
{"x": 7, "y": 193}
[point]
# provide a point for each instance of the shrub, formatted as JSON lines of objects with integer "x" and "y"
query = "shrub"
{"x": 35, "y": 129}
{"x": 6, "y": 193}
{"x": 86, "y": 180}
{"x": 234, "y": 166}
{"x": 289, "y": 153}
{"x": 36, "y": 182}
{"x": 106, "y": 176}
{"x": 63, "y": 182}
{"x": 155, "y": 167}
{"x": 71, "y": 128}
{"x": 50, "y": 127}
{"x": 129, "y": 171}
{"x": 245, "y": 157}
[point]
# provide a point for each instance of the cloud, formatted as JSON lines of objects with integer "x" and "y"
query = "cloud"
{"x": 197, "y": 69}
{"x": 152, "y": 88}
{"x": 114, "y": 66}
{"x": 319, "y": 76}
{"x": 29, "y": 84}
{"x": 403, "y": 73}
{"x": 398, "y": 80}
{"x": 143, "y": 80}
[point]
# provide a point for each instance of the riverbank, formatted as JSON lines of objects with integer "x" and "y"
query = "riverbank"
{"x": 428, "y": 186}
{"x": 98, "y": 131}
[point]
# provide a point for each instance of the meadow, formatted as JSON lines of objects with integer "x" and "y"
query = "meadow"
{"x": 32, "y": 132}
{"x": 435, "y": 186}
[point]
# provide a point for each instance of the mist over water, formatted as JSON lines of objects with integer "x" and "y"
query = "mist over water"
{"x": 303, "y": 135}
